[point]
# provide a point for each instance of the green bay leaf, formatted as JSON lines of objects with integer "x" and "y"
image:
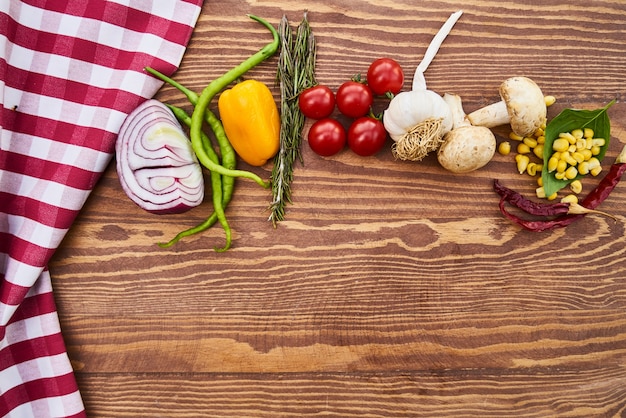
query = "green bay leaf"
{"x": 567, "y": 121}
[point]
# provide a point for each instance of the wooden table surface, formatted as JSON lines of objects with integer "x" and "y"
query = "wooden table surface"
{"x": 392, "y": 289}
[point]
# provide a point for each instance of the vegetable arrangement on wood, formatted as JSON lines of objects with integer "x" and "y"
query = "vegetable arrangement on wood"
{"x": 222, "y": 179}
{"x": 558, "y": 215}
{"x": 160, "y": 168}
{"x": 568, "y": 149}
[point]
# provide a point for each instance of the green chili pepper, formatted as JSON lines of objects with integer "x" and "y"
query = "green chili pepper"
{"x": 227, "y": 186}
{"x": 204, "y": 156}
{"x": 201, "y": 113}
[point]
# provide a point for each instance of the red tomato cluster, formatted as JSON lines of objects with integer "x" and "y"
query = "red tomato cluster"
{"x": 366, "y": 134}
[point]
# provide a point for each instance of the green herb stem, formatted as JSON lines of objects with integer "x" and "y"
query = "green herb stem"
{"x": 296, "y": 72}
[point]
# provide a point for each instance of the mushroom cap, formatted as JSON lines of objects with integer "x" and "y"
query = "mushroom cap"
{"x": 467, "y": 148}
{"x": 525, "y": 103}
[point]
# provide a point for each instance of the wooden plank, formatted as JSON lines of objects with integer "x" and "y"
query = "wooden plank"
{"x": 486, "y": 393}
{"x": 349, "y": 342}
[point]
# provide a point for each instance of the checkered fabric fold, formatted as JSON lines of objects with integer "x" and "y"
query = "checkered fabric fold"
{"x": 70, "y": 72}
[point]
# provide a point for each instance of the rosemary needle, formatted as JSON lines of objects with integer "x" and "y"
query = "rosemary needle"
{"x": 296, "y": 72}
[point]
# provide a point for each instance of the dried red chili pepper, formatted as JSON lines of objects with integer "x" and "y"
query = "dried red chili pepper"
{"x": 572, "y": 212}
{"x": 540, "y": 224}
{"x": 607, "y": 184}
{"x": 529, "y": 206}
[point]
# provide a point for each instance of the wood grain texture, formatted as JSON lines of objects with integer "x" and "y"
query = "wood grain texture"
{"x": 392, "y": 289}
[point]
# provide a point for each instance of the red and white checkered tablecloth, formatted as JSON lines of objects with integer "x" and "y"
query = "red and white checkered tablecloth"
{"x": 70, "y": 71}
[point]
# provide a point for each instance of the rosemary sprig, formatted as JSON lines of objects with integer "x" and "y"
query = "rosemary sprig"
{"x": 296, "y": 72}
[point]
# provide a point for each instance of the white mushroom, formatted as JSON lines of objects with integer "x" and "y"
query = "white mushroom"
{"x": 466, "y": 147}
{"x": 522, "y": 106}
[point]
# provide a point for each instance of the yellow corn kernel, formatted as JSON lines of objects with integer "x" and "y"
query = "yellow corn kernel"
{"x": 552, "y": 164}
{"x": 577, "y": 133}
{"x": 593, "y": 163}
{"x": 568, "y": 158}
{"x": 552, "y": 196}
{"x": 559, "y": 175}
{"x": 540, "y": 192}
{"x": 595, "y": 150}
{"x": 504, "y": 148}
{"x": 515, "y": 137}
{"x": 576, "y": 186}
{"x": 531, "y": 142}
{"x": 531, "y": 169}
{"x": 540, "y": 132}
{"x": 586, "y": 154}
{"x": 571, "y": 173}
{"x": 541, "y": 139}
{"x": 549, "y": 100}
{"x": 588, "y": 133}
{"x": 522, "y": 148}
{"x": 570, "y": 198}
{"x": 568, "y": 136}
{"x": 538, "y": 151}
{"x": 588, "y": 143}
{"x": 522, "y": 162}
{"x": 560, "y": 144}
{"x": 595, "y": 171}
{"x": 583, "y": 168}
{"x": 539, "y": 181}
{"x": 561, "y": 166}
{"x": 599, "y": 142}
{"x": 581, "y": 143}
{"x": 579, "y": 157}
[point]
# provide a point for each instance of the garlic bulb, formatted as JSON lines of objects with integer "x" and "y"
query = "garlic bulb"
{"x": 418, "y": 119}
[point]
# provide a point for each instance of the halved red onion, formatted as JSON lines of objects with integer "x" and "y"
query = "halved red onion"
{"x": 156, "y": 164}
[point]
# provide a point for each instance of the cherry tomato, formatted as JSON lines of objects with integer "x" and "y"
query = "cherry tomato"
{"x": 366, "y": 136}
{"x": 317, "y": 102}
{"x": 385, "y": 75}
{"x": 354, "y": 99}
{"x": 327, "y": 137}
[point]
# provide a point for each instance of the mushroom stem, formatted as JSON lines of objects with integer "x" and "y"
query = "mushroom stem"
{"x": 495, "y": 114}
{"x": 521, "y": 105}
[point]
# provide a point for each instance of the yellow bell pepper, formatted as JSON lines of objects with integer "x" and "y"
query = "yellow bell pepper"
{"x": 251, "y": 121}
